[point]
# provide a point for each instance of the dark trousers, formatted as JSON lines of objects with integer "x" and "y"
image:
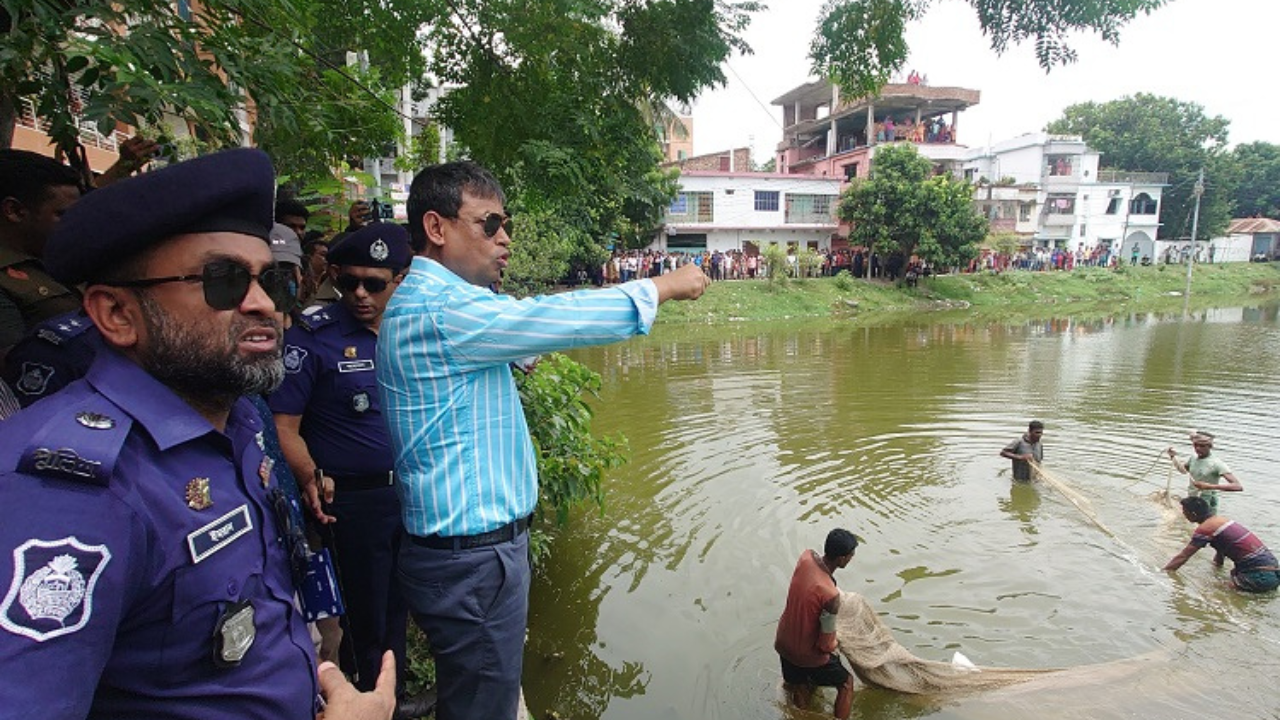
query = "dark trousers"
{"x": 474, "y": 606}
{"x": 367, "y": 539}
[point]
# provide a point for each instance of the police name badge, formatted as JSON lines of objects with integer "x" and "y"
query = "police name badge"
{"x": 218, "y": 534}
{"x": 234, "y": 634}
{"x": 379, "y": 250}
{"x": 51, "y": 593}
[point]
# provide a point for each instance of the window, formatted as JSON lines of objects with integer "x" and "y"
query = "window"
{"x": 681, "y": 155}
{"x": 1061, "y": 205}
{"x": 766, "y": 201}
{"x": 692, "y": 206}
{"x": 1024, "y": 211}
{"x": 814, "y": 209}
{"x": 1142, "y": 205}
{"x": 851, "y": 171}
{"x": 1059, "y": 165}
{"x": 1113, "y": 207}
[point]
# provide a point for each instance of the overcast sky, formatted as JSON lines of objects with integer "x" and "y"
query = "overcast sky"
{"x": 1221, "y": 54}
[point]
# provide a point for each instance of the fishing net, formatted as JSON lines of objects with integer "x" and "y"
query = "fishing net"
{"x": 878, "y": 659}
{"x": 1072, "y": 496}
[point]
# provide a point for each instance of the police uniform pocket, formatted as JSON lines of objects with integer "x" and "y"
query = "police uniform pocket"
{"x": 360, "y": 392}
{"x": 212, "y": 618}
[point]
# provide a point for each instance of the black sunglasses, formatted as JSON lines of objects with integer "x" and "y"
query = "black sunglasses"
{"x": 226, "y": 283}
{"x": 494, "y": 222}
{"x": 349, "y": 283}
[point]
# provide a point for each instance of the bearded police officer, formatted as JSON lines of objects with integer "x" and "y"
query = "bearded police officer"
{"x": 150, "y": 569}
{"x": 335, "y": 440}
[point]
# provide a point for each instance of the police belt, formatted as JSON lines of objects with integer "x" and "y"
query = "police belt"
{"x": 369, "y": 481}
{"x": 506, "y": 533}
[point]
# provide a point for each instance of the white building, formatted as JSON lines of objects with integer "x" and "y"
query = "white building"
{"x": 745, "y": 211}
{"x": 1049, "y": 190}
{"x": 1246, "y": 239}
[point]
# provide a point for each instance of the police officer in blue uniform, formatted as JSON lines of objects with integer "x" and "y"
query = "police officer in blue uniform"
{"x": 150, "y": 568}
{"x": 56, "y": 352}
{"x": 335, "y": 440}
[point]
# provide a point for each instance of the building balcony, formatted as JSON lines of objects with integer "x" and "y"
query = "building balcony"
{"x": 810, "y": 218}
{"x": 1134, "y": 178}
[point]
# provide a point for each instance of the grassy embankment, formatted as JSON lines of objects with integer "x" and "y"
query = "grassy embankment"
{"x": 1082, "y": 291}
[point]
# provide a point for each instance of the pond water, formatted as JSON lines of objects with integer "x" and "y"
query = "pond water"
{"x": 750, "y": 442}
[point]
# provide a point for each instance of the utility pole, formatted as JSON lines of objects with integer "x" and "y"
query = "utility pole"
{"x": 1195, "y": 225}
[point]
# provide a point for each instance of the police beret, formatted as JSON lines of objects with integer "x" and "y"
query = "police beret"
{"x": 228, "y": 191}
{"x": 381, "y": 245}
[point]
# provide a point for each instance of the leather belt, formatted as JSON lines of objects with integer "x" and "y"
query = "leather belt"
{"x": 371, "y": 481}
{"x": 506, "y": 533}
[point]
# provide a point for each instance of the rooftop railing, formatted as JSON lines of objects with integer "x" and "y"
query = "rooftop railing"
{"x": 1140, "y": 178}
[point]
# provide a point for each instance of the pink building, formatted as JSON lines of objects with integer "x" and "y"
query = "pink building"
{"x": 831, "y": 136}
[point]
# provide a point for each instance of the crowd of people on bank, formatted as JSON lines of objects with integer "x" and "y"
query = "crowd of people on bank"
{"x": 625, "y": 265}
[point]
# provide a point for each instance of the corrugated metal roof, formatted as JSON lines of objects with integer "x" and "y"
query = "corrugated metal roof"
{"x": 1253, "y": 226}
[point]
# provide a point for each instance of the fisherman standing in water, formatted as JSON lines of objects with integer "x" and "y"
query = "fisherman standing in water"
{"x": 1255, "y": 568}
{"x": 806, "y": 638}
{"x": 1024, "y": 450}
{"x": 1208, "y": 472}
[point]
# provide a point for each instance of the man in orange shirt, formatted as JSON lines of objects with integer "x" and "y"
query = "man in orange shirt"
{"x": 806, "y": 639}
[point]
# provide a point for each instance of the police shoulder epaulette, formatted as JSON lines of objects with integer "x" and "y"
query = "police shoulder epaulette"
{"x": 60, "y": 329}
{"x": 315, "y": 320}
{"x": 79, "y": 443}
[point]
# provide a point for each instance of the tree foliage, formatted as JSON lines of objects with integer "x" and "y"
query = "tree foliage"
{"x": 564, "y": 100}
{"x": 1258, "y": 192}
{"x": 904, "y": 209}
{"x": 571, "y": 461}
{"x": 212, "y": 66}
{"x": 860, "y": 43}
{"x": 1151, "y": 133}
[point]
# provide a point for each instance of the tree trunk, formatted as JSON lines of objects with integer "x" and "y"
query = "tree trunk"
{"x": 8, "y": 120}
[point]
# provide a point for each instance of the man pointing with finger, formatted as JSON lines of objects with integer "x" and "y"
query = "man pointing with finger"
{"x": 465, "y": 466}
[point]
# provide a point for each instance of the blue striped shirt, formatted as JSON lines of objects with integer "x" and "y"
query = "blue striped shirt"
{"x": 464, "y": 460}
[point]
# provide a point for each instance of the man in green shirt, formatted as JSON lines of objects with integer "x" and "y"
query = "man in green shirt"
{"x": 1209, "y": 474}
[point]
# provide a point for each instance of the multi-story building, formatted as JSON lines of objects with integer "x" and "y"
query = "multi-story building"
{"x": 1048, "y": 189}
{"x": 824, "y": 134}
{"x": 724, "y": 210}
{"x": 31, "y": 132}
{"x": 676, "y": 137}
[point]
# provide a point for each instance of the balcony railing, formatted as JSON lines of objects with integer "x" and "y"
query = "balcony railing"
{"x": 1139, "y": 178}
{"x": 89, "y": 134}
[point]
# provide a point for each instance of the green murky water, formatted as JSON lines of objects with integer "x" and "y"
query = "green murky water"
{"x": 749, "y": 443}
